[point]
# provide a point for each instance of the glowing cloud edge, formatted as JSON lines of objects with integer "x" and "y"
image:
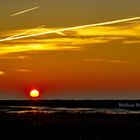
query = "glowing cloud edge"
{"x": 70, "y": 28}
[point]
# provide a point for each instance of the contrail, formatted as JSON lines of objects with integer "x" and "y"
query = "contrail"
{"x": 16, "y": 35}
{"x": 71, "y": 28}
{"x": 19, "y": 13}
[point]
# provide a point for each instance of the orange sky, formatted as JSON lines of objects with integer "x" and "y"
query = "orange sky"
{"x": 88, "y": 63}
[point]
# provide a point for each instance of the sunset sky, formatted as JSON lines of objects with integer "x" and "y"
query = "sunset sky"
{"x": 100, "y": 62}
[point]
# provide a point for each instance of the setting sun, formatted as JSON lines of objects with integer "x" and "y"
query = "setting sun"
{"x": 34, "y": 93}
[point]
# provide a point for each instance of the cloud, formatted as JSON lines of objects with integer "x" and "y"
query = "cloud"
{"x": 14, "y": 57}
{"x": 132, "y": 42}
{"x": 120, "y": 61}
{"x": 79, "y": 39}
{"x": 94, "y": 60}
{"x": 109, "y": 61}
{"x": 71, "y": 28}
{"x": 24, "y": 70}
{"x": 2, "y": 73}
{"x": 34, "y": 47}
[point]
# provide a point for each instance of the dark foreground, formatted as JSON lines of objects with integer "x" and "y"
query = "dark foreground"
{"x": 69, "y": 125}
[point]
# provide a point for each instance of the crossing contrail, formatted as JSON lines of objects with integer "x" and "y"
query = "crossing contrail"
{"x": 70, "y": 28}
{"x": 22, "y": 12}
{"x": 16, "y": 35}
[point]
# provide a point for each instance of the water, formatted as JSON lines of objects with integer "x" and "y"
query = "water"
{"x": 46, "y": 109}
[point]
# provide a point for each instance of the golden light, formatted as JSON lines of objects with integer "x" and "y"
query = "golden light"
{"x": 34, "y": 93}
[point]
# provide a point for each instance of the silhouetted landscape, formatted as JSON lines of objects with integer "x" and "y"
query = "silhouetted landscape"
{"x": 72, "y": 120}
{"x": 75, "y": 103}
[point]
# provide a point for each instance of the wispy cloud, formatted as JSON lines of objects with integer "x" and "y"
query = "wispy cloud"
{"x": 132, "y": 41}
{"x": 79, "y": 39}
{"x": 120, "y": 61}
{"x": 14, "y": 57}
{"x": 26, "y": 31}
{"x": 24, "y": 70}
{"x": 2, "y": 73}
{"x": 34, "y": 47}
{"x": 109, "y": 61}
{"x": 71, "y": 28}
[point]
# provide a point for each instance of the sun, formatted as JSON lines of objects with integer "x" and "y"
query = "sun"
{"x": 34, "y": 93}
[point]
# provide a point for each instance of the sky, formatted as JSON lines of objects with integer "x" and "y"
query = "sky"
{"x": 97, "y": 62}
